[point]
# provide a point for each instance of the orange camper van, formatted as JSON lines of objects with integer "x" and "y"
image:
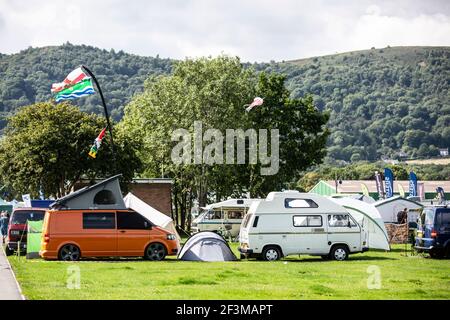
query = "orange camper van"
{"x": 72, "y": 234}
{"x": 94, "y": 222}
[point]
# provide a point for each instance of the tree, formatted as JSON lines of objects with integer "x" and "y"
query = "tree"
{"x": 46, "y": 145}
{"x": 213, "y": 92}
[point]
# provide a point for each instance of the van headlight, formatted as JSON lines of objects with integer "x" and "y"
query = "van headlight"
{"x": 171, "y": 236}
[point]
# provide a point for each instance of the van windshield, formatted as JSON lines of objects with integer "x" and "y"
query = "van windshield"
{"x": 21, "y": 217}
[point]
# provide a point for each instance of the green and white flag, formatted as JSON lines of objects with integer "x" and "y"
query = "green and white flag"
{"x": 80, "y": 89}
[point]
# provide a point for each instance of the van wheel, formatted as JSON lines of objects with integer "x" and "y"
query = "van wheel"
{"x": 155, "y": 252}
{"x": 69, "y": 252}
{"x": 436, "y": 254}
{"x": 339, "y": 253}
{"x": 8, "y": 251}
{"x": 271, "y": 254}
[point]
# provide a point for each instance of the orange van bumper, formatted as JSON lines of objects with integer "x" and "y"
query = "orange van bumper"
{"x": 48, "y": 254}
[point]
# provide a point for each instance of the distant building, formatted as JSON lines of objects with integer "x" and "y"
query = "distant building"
{"x": 402, "y": 154}
{"x": 328, "y": 188}
{"x": 443, "y": 152}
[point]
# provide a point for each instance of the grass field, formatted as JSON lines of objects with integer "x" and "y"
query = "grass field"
{"x": 402, "y": 277}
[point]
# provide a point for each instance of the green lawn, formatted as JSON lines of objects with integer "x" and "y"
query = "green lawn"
{"x": 402, "y": 277}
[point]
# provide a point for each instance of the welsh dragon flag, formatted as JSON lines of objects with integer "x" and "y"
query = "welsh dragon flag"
{"x": 76, "y": 84}
{"x": 97, "y": 144}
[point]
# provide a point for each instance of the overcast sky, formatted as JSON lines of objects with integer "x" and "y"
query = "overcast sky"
{"x": 255, "y": 30}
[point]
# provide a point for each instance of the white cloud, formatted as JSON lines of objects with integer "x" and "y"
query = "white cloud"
{"x": 255, "y": 30}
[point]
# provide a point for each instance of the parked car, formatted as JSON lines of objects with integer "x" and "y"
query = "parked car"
{"x": 433, "y": 231}
{"x": 288, "y": 223}
{"x": 75, "y": 234}
{"x": 17, "y": 229}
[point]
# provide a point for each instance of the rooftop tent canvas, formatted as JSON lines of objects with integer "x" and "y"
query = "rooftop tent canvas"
{"x": 156, "y": 217}
{"x": 103, "y": 195}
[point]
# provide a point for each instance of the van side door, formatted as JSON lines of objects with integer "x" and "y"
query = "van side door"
{"x": 98, "y": 235}
{"x": 309, "y": 235}
{"x": 133, "y": 233}
{"x": 343, "y": 229}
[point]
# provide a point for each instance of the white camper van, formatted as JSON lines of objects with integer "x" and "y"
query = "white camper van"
{"x": 288, "y": 223}
{"x": 224, "y": 217}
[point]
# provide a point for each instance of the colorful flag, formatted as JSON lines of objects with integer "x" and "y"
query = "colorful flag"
{"x": 364, "y": 189}
{"x": 76, "y": 84}
{"x": 380, "y": 188}
{"x": 97, "y": 144}
{"x": 389, "y": 181}
{"x": 80, "y": 89}
{"x": 256, "y": 102}
{"x": 440, "y": 195}
{"x": 72, "y": 78}
{"x": 401, "y": 190}
{"x": 412, "y": 184}
{"x": 421, "y": 191}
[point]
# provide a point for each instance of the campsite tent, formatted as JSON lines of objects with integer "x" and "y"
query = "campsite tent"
{"x": 369, "y": 218}
{"x": 156, "y": 217}
{"x": 206, "y": 246}
{"x": 389, "y": 208}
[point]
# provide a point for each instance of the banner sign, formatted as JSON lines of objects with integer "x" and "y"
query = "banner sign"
{"x": 412, "y": 184}
{"x": 389, "y": 182}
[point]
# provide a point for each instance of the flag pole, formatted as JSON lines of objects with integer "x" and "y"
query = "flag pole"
{"x": 104, "y": 108}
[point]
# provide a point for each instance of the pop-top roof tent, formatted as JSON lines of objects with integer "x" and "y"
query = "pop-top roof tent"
{"x": 103, "y": 195}
{"x": 389, "y": 208}
{"x": 206, "y": 246}
{"x": 156, "y": 217}
{"x": 369, "y": 218}
{"x": 280, "y": 202}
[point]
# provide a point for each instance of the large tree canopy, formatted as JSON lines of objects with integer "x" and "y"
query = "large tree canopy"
{"x": 46, "y": 145}
{"x": 214, "y": 92}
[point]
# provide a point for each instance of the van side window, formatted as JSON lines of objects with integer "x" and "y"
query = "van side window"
{"x": 235, "y": 214}
{"x": 132, "y": 220}
{"x": 104, "y": 197}
{"x": 99, "y": 220}
{"x": 340, "y": 220}
{"x": 307, "y": 221}
{"x": 299, "y": 203}
{"x": 214, "y": 215}
{"x": 314, "y": 221}
{"x": 255, "y": 222}
{"x": 444, "y": 219}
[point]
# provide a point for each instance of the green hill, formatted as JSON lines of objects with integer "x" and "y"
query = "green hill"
{"x": 383, "y": 102}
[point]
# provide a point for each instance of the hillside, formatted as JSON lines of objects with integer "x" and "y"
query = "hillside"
{"x": 383, "y": 102}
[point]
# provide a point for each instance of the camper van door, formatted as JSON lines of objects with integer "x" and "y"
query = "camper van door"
{"x": 309, "y": 234}
{"x": 343, "y": 229}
